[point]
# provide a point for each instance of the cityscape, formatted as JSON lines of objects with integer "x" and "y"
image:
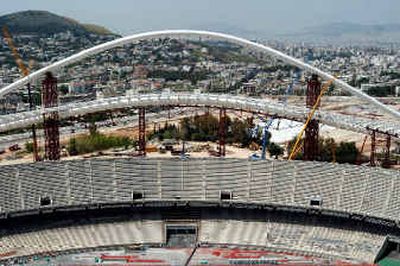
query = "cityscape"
{"x": 204, "y": 146}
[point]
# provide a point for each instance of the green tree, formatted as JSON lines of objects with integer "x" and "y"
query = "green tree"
{"x": 326, "y": 149}
{"x": 239, "y": 133}
{"x": 63, "y": 89}
{"x": 275, "y": 150}
{"x": 185, "y": 129}
{"x": 29, "y": 146}
{"x": 347, "y": 152}
{"x": 72, "y": 147}
{"x": 92, "y": 128}
{"x": 96, "y": 142}
{"x": 290, "y": 146}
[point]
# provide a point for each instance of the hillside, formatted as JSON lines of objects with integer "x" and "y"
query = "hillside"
{"x": 100, "y": 30}
{"x": 44, "y": 23}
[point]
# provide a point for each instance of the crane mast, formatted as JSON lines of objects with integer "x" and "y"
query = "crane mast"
{"x": 264, "y": 129}
{"x": 25, "y": 72}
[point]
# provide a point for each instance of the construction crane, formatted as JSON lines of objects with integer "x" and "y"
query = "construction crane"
{"x": 17, "y": 57}
{"x": 264, "y": 126}
{"x": 295, "y": 148}
{"x": 25, "y": 72}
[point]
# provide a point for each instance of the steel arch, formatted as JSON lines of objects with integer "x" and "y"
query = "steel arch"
{"x": 361, "y": 125}
{"x": 197, "y": 34}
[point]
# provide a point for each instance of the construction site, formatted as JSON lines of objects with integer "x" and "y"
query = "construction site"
{"x": 280, "y": 180}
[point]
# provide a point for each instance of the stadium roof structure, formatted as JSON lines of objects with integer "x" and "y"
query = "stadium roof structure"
{"x": 355, "y": 124}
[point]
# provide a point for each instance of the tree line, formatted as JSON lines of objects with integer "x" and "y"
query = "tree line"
{"x": 329, "y": 151}
{"x": 206, "y": 128}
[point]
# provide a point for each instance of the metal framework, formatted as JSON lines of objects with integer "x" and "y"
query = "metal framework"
{"x": 222, "y": 132}
{"x": 311, "y": 149}
{"x": 142, "y": 132}
{"x": 251, "y": 105}
{"x": 373, "y": 149}
{"x": 51, "y": 120}
{"x": 203, "y": 35}
{"x": 386, "y": 161}
{"x": 36, "y": 156}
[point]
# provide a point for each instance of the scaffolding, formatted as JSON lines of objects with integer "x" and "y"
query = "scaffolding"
{"x": 51, "y": 121}
{"x": 142, "y": 132}
{"x": 222, "y": 132}
{"x": 311, "y": 149}
{"x": 387, "y": 161}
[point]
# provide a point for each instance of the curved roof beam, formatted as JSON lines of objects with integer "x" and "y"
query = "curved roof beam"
{"x": 361, "y": 125}
{"x": 197, "y": 34}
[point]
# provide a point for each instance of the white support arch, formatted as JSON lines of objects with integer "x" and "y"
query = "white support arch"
{"x": 197, "y": 34}
{"x": 360, "y": 125}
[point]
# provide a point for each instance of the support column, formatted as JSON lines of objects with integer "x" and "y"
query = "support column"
{"x": 33, "y": 128}
{"x": 51, "y": 120}
{"x": 311, "y": 147}
{"x": 222, "y": 132}
{"x": 142, "y": 132}
{"x": 36, "y": 156}
{"x": 386, "y": 162}
{"x": 373, "y": 148}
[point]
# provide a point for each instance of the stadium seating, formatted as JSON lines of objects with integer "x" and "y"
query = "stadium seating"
{"x": 281, "y": 236}
{"x": 349, "y": 188}
{"x": 82, "y": 237}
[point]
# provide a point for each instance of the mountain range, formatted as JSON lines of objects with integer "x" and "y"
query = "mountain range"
{"x": 45, "y": 23}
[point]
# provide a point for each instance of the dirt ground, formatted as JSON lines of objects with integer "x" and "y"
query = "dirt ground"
{"x": 336, "y": 104}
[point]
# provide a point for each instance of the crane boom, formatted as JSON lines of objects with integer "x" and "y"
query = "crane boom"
{"x": 25, "y": 72}
{"x": 310, "y": 116}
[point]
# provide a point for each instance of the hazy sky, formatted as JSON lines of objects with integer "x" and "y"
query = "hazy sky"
{"x": 244, "y": 16}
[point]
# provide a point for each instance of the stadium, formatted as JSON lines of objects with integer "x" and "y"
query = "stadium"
{"x": 100, "y": 204}
{"x": 209, "y": 211}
